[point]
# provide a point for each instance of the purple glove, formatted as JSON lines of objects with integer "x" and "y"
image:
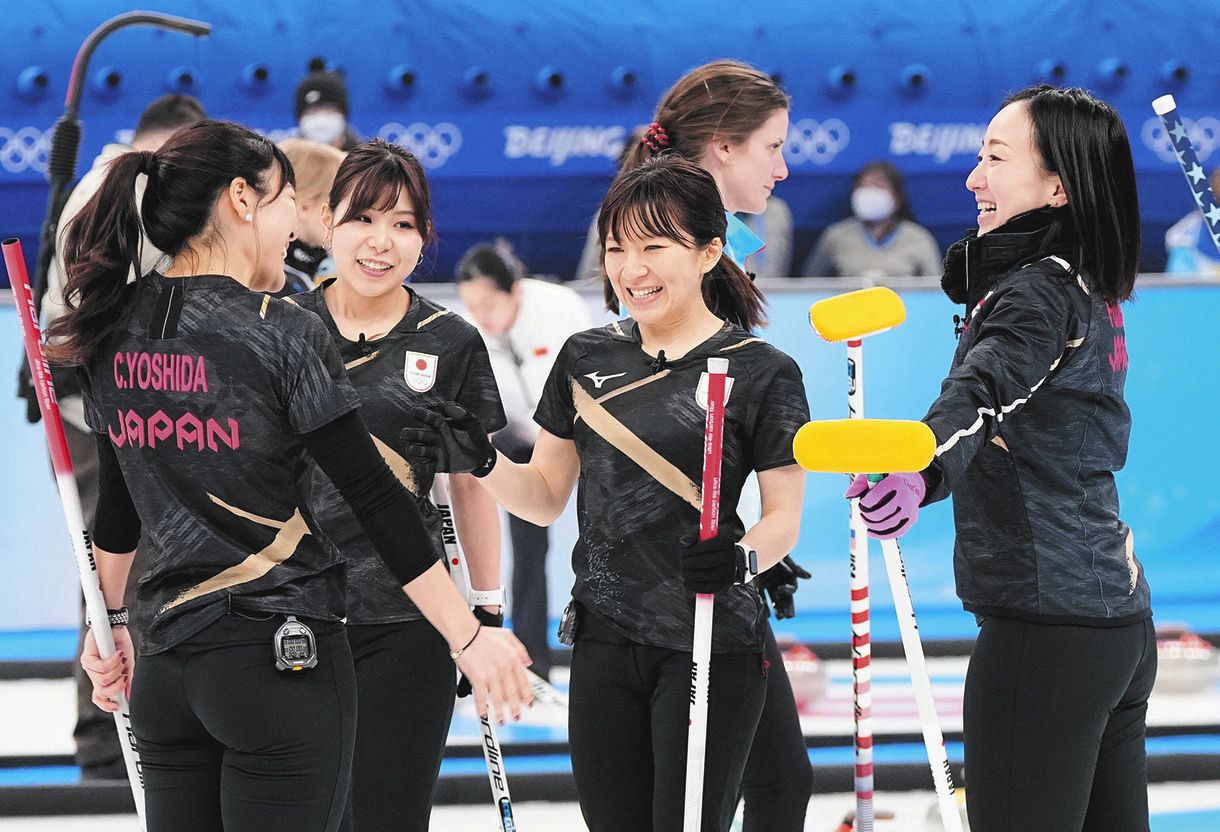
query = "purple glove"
{"x": 889, "y": 507}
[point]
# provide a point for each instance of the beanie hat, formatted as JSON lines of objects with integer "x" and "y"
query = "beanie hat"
{"x": 321, "y": 88}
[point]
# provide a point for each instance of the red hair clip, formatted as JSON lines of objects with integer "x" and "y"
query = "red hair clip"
{"x": 655, "y": 138}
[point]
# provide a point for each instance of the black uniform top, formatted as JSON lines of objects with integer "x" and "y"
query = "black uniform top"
{"x": 204, "y": 396}
{"x": 429, "y": 357}
{"x": 638, "y": 428}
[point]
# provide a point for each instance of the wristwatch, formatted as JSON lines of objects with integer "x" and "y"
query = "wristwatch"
{"x": 747, "y": 565}
{"x": 486, "y": 597}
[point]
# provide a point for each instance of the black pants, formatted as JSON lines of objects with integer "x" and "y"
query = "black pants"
{"x": 778, "y": 779}
{"x": 627, "y": 726}
{"x": 230, "y": 743}
{"x": 405, "y": 684}
{"x": 1054, "y": 727}
{"x": 529, "y": 610}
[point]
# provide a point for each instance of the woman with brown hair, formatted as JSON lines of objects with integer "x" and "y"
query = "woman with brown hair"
{"x": 401, "y": 351}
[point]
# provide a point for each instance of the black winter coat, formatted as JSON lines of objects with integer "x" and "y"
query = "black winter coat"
{"x": 1030, "y": 426}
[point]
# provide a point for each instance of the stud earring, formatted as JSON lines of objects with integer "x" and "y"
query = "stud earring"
{"x": 249, "y": 218}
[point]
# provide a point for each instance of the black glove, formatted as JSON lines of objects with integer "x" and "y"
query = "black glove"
{"x": 780, "y": 583}
{"x": 487, "y": 619}
{"x": 712, "y": 565}
{"x": 25, "y": 390}
{"x": 453, "y": 438}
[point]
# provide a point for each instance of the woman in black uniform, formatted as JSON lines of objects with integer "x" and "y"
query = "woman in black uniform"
{"x": 1031, "y": 425}
{"x": 622, "y": 411}
{"x": 205, "y": 397}
{"x": 400, "y": 350}
{"x": 732, "y": 120}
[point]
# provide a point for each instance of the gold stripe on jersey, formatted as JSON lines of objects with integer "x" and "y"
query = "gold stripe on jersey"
{"x": 290, "y": 300}
{"x": 628, "y": 387}
{"x": 256, "y": 565}
{"x": 363, "y": 360}
{"x": 398, "y": 465}
{"x": 432, "y": 318}
{"x": 739, "y": 344}
{"x": 621, "y": 438}
{"x": 262, "y": 312}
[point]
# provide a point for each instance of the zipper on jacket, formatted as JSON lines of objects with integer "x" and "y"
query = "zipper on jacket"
{"x": 959, "y": 321}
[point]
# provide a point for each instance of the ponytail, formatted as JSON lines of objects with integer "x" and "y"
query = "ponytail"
{"x": 185, "y": 180}
{"x": 101, "y": 247}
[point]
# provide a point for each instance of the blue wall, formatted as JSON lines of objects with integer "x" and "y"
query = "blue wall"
{"x": 1173, "y": 343}
{"x": 532, "y": 162}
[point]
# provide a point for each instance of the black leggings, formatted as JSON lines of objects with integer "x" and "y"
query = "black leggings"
{"x": 227, "y": 742}
{"x": 627, "y": 721}
{"x": 1054, "y": 727}
{"x": 406, "y": 684}
{"x": 778, "y": 779}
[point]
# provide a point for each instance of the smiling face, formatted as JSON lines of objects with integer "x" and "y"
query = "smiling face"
{"x": 659, "y": 281}
{"x": 274, "y": 220}
{"x": 747, "y": 171}
{"x": 376, "y": 250}
{"x": 1009, "y": 178}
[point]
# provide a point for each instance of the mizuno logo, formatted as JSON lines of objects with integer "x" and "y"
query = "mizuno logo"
{"x": 598, "y": 381}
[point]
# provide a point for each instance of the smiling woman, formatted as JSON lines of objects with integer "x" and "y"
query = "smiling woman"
{"x": 401, "y": 351}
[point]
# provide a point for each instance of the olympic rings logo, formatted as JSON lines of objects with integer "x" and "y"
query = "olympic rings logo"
{"x": 1203, "y": 133}
{"x": 26, "y": 148}
{"x": 816, "y": 142}
{"x": 432, "y": 145}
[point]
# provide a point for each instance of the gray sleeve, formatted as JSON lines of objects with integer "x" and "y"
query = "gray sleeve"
{"x": 820, "y": 262}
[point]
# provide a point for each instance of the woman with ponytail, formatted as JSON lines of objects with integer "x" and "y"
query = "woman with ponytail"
{"x": 208, "y": 399}
{"x": 621, "y": 414}
{"x": 732, "y": 120}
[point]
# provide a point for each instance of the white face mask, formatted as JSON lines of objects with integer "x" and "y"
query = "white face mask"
{"x": 324, "y": 126}
{"x": 871, "y": 204}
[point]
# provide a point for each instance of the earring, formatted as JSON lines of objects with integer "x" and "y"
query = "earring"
{"x": 249, "y": 218}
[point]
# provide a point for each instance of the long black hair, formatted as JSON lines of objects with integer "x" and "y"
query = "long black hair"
{"x": 185, "y": 180}
{"x": 668, "y": 196}
{"x": 1082, "y": 139}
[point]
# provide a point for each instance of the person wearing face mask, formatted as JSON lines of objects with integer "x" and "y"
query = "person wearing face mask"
{"x": 208, "y": 400}
{"x": 400, "y": 351}
{"x": 308, "y": 260}
{"x": 322, "y": 110}
{"x": 1031, "y": 425}
{"x": 881, "y": 238}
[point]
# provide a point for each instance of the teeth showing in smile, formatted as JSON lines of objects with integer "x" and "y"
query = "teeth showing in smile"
{"x": 644, "y": 293}
{"x": 986, "y": 207}
{"x": 374, "y": 265}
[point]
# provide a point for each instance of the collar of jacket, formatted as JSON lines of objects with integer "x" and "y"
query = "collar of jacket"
{"x": 973, "y": 263}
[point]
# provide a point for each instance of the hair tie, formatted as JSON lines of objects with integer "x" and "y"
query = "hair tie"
{"x": 655, "y": 138}
{"x": 148, "y": 162}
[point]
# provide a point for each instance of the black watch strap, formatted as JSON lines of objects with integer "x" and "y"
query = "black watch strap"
{"x": 117, "y": 618}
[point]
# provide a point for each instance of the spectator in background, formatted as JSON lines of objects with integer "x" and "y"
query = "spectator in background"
{"x": 881, "y": 238}
{"x": 322, "y": 110}
{"x": 97, "y": 745}
{"x": 1188, "y": 243}
{"x": 775, "y": 226}
{"x": 524, "y": 322}
{"x": 308, "y": 259}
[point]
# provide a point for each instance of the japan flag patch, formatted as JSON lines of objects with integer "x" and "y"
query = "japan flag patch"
{"x": 701, "y": 390}
{"x": 420, "y": 371}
